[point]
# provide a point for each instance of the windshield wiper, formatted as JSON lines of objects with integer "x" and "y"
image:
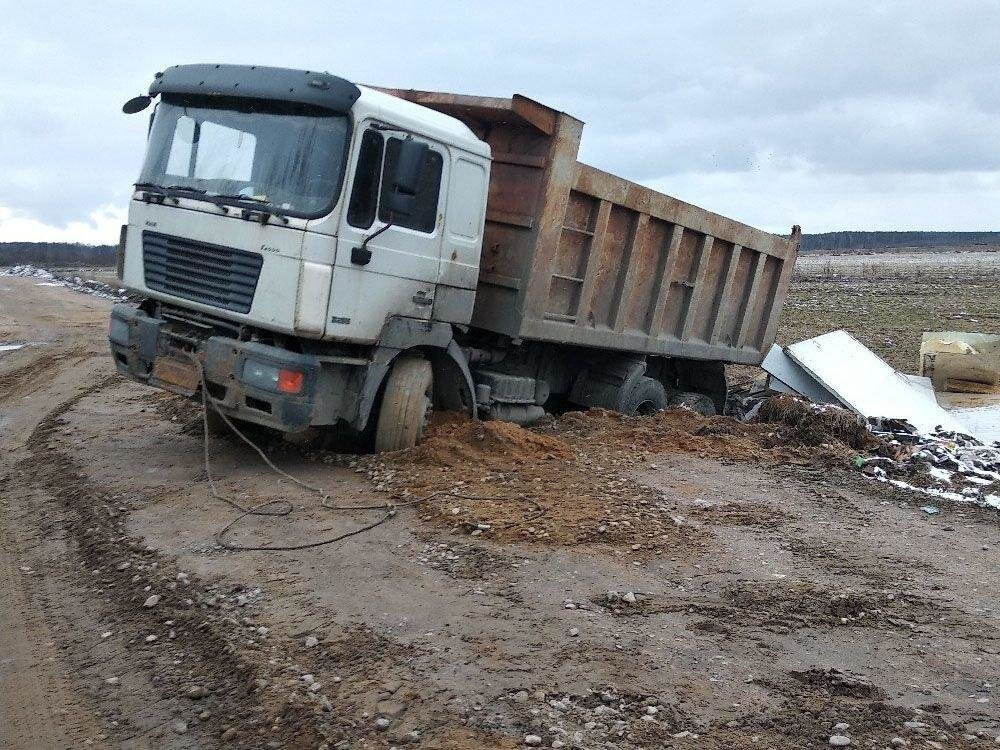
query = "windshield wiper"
{"x": 162, "y": 189}
{"x": 238, "y": 197}
{"x": 186, "y": 188}
{"x": 149, "y": 186}
{"x": 262, "y": 214}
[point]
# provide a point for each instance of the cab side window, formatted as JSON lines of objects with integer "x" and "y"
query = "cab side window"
{"x": 364, "y": 195}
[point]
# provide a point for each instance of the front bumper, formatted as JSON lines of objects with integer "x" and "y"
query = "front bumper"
{"x": 148, "y": 350}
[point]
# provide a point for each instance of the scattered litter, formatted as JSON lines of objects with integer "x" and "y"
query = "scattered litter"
{"x": 925, "y": 448}
{"x": 930, "y": 510}
{"x": 10, "y": 347}
{"x": 948, "y": 465}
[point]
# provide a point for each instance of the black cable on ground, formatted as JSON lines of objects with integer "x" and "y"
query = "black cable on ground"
{"x": 280, "y": 507}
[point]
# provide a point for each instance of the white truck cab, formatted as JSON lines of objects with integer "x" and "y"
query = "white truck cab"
{"x": 304, "y": 221}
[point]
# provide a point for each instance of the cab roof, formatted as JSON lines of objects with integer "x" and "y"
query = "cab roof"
{"x": 314, "y": 89}
{"x": 420, "y": 119}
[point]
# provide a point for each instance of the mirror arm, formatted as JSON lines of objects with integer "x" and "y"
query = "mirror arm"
{"x": 362, "y": 256}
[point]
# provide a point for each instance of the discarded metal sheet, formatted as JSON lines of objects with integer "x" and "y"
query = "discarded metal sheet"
{"x": 922, "y": 384}
{"x": 866, "y": 384}
{"x": 788, "y": 377}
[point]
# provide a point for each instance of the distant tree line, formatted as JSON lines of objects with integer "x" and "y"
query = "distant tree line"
{"x": 886, "y": 240}
{"x": 49, "y": 254}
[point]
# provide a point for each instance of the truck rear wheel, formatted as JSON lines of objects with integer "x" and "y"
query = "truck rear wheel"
{"x": 698, "y": 402}
{"x": 406, "y": 405}
{"x": 646, "y": 397}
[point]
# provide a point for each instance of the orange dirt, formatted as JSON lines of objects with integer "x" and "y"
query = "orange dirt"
{"x": 567, "y": 481}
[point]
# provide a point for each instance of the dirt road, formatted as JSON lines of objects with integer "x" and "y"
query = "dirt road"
{"x": 590, "y": 584}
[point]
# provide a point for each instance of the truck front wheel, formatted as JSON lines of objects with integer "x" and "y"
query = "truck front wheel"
{"x": 406, "y": 405}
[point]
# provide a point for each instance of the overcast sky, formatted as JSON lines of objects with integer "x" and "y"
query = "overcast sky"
{"x": 832, "y": 115}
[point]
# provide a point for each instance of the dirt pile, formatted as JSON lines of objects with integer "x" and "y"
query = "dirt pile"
{"x": 568, "y": 480}
{"x": 454, "y": 442}
{"x": 508, "y": 483}
{"x": 815, "y": 424}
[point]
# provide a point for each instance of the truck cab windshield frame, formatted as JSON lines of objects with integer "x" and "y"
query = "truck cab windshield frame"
{"x": 290, "y": 159}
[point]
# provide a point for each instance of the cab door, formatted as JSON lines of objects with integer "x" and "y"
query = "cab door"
{"x": 395, "y": 272}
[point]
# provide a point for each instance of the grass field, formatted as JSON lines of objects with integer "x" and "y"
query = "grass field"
{"x": 888, "y": 300}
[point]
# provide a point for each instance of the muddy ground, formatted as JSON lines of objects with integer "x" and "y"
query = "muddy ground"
{"x": 592, "y": 583}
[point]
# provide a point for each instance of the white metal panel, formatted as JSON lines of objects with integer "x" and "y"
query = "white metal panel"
{"x": 360, "y": 303}
{"x": 280, "y": 246}
{"x": 313, "y": 298}
{"x": 780, "y": 366}
{"x": 464, "y": 219}
{"x": 867, "y": 384}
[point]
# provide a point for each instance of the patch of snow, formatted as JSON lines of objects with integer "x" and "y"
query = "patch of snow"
{"x": 942, "y": 474}
{"x": 77, "y": 284}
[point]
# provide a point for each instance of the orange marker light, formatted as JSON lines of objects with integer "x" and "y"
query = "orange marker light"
{"x": 290, "y": 381}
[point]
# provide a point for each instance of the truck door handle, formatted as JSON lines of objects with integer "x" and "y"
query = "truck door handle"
{"x": 421, "y": 298}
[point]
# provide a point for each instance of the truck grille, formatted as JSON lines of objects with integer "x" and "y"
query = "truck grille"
{"x": 210, "y": 274}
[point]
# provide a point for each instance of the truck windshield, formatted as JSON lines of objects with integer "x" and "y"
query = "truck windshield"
{"x": 292, "y": 163}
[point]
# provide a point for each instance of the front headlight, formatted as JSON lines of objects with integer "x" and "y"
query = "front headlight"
{"x": 270, "y": 377}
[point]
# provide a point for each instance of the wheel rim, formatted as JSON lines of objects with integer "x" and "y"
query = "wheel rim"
{"x": 645, "y": 409}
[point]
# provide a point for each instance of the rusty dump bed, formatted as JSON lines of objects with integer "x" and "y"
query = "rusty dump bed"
{"x": 575, "y": 255}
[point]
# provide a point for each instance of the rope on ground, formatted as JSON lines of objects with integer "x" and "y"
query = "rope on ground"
{"x": 284, "y": 507}
{"x": 272, "y": 507}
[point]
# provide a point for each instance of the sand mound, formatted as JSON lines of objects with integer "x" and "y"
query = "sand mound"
{"x": 569, "y": 480}
{"x": 464, "y": 441}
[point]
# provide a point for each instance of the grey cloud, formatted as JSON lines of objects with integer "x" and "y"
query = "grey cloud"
{"x": 723, "y": 88}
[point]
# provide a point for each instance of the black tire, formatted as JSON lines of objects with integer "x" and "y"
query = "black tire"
{"x": 698, "y": 402}
{"x": 646, "y": 397}
{"x": 406, "y": 405}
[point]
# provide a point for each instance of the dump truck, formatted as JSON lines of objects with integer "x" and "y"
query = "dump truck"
{"x": 313, "y": 253}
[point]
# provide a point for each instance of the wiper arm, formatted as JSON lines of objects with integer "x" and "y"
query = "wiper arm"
{"x": 238, "y": 197}
{"x": 186, "y": 188}
{"x": 263, "y": 214}
{"x": 152, "y": 186}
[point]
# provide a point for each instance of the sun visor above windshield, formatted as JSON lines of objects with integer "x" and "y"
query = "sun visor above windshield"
{"x": 258, "y": 82}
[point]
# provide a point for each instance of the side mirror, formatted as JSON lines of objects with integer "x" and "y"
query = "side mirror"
{"x": 399, "y": 204}
{"x": 401, "y": 199}
{"x": 408, "y": 166}
{"x": 136, "y": 104}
